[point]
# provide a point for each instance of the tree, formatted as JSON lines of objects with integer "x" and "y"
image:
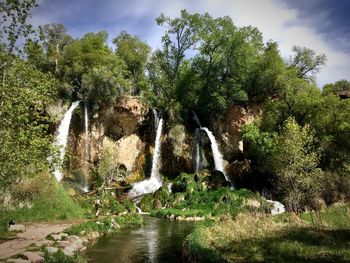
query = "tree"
{"x": 295, "y": 163}
{"x": 337, "y": 88}
{"x": 54, "y": 38}
{"x": 13, "y": 22}
{"x": 268, "y": 74}
{"x": 306, "y": 62}
{"x": 135, "y": 54}
{"x": 84, "y": 58}
{"x": 24, "y": 138}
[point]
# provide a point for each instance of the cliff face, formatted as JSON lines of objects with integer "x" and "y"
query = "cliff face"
{"x": 229, "y": 129}
{"x": 127, "y": 127}
{"x": 122, "y": 124}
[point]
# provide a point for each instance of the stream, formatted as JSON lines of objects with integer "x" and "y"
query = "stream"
{"x": 158, "y": 240}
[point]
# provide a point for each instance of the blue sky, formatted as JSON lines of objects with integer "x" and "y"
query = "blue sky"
{"x": 323, "y": 25}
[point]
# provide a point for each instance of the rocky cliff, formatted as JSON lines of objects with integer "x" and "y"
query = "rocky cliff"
{"x": 124, "y": 124}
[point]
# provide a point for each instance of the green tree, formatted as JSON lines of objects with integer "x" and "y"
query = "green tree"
{"x": 13, "y": 22}
{"x": 54, "y": 38}
{"x": 295, "y": 163}
{"x": 24, "y": 138}
{"x": 306, "y": 62}
{"x": 84, "y": 58}
{"x": 135, "y": 54}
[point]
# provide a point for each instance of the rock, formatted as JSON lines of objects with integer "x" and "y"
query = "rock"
{"x": 177, "y": 148}
{"x": 44, "y": 242}
{"x": 230, "y": 128}
{"x": 56, "y": 237}
{"x": 51, "y": 250}
{"x": 17, "y": 228}
{"x": 277, "y": 207}
{"x": 123, "y": 117}
{"x": 253, "y": 203}
{"x": 172, "y": 217}
{"x": 129, "y": 148}
{"x": 18, "y": 260}
{"x": 33, "y": 257}
{"x": 71, "y": 245}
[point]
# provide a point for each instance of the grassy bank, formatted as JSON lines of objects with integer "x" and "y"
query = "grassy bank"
{"x": 43, "y": 200}
{"x": 322, "y": 237}
{"x": 194, "y": 197}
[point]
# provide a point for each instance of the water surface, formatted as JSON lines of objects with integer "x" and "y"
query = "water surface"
{"x": 158, "y": 240}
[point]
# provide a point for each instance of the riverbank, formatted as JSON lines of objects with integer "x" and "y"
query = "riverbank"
{"x": 310, "y": 237}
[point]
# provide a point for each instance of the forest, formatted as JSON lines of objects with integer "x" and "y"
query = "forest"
{"x": 297, "y": 147}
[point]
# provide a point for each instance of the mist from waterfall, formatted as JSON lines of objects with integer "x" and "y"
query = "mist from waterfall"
{"x": 154, "y": 182}
{"x": 62, "y": 138}
{"x": 86, "y": 124}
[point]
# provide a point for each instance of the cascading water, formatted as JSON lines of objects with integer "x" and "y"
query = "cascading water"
{"x": 197, "y": 155}
{"x": 154, "y": 182}
{"x": 62, "y": 137}
{"x": 218, "y": 159}
{"x": 86, "y": 122}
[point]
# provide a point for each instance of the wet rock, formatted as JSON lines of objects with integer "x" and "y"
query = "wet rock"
{"x": 17, "y": 228}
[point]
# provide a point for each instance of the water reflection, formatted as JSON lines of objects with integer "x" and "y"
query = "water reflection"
{"x": 157, "y": 241}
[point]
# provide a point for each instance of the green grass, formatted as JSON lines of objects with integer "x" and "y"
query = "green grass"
{"x": 209, "y": 203}
{"x": 60, "y": 257}
{"x": 105, "y": 225}
{"x": 54, "y": 204}
{"x": 285, "y": 238}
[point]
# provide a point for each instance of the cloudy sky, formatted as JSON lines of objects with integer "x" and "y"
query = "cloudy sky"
{"x": 323, "y": 25}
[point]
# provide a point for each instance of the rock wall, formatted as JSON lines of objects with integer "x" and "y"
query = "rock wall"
{"x": 123, "y": 123}
{"x": 229, "y": 129}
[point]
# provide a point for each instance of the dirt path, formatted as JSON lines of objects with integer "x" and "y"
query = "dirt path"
{"x": 35, "y": 234}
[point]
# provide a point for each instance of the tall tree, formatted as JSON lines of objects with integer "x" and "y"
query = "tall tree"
{"x": 306, "y": 62}
{"x": 135, "y": 54}
{"x": 54, "y": 38}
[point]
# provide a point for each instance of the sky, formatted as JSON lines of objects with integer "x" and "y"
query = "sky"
{"x": 323, "y": 25}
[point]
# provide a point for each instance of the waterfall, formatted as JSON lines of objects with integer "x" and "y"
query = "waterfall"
{"x": 62, "y": 137}
{"x": 86, "y": 124}
{"x": 218, "y": 159}
{"x": 195, "y": 117}
{"x": 197, "y": 155}
{"x": 154, "y": 182}
{"x": 156, "y": 155}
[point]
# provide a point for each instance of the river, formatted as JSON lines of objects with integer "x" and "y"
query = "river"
{"x": 158, "y": 240}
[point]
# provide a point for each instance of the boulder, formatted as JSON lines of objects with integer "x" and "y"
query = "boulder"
{"x": 17, "y": 228}
{"x": 33, "y": 257}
